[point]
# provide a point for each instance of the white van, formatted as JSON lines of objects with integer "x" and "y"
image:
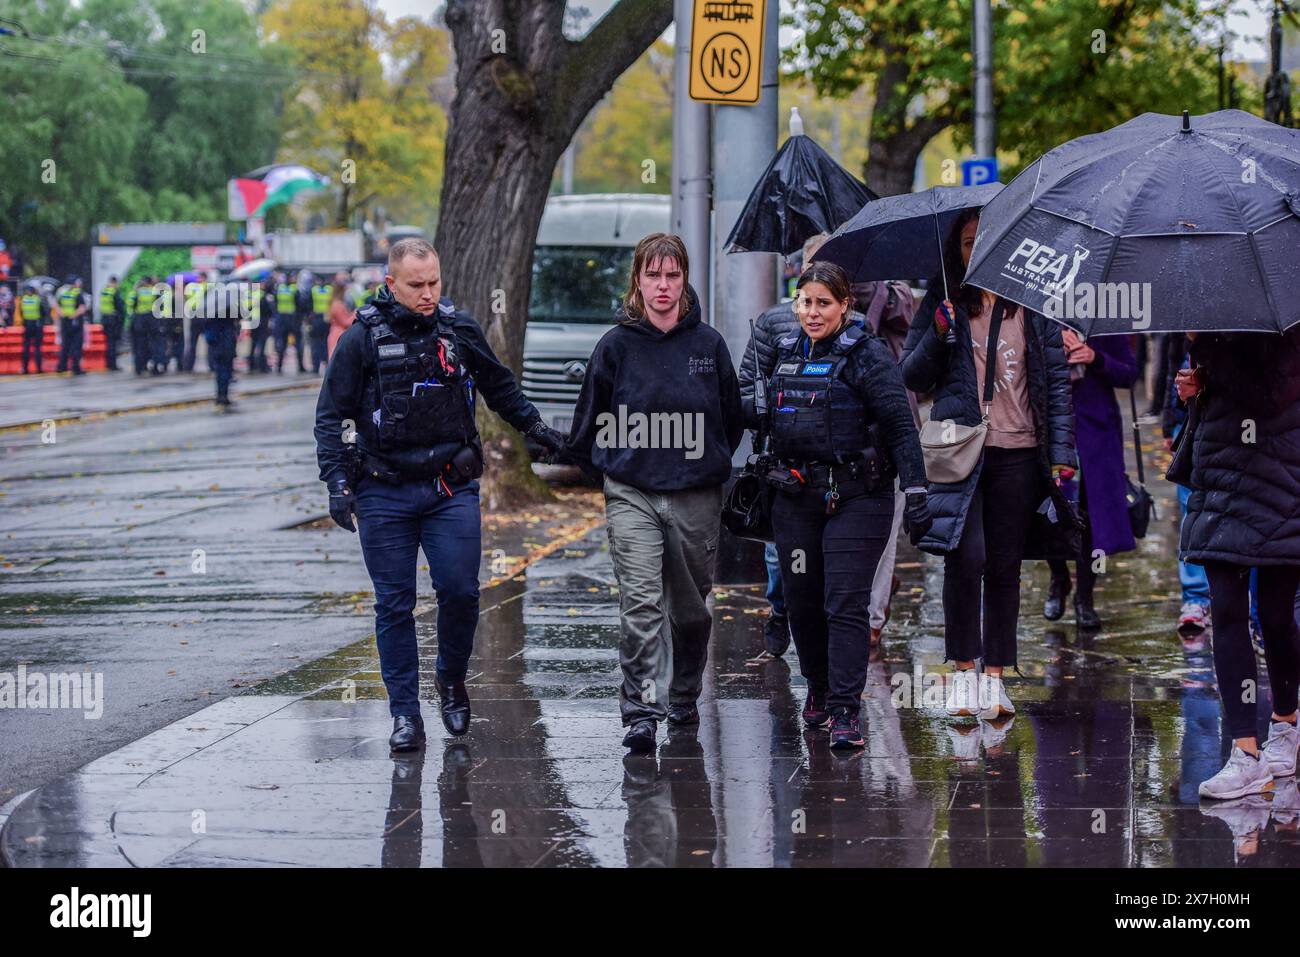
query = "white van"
{"x": 581, "y": 268}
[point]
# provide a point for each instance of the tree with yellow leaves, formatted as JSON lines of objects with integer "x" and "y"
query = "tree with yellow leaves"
{"x": 378, "y": 133}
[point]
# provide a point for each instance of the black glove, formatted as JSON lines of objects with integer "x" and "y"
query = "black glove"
{"x": 916, "y": 516}
{"x": 548, "y": 438}
{"x": 341, "y": 503}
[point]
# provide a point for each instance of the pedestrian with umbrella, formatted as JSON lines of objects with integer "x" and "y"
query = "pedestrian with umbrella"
{"x": 1199, "y": 216}
{"x": 999, "y": 442}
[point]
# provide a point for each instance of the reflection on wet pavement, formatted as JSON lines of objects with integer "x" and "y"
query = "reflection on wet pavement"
{"x": 1099, "y": 767}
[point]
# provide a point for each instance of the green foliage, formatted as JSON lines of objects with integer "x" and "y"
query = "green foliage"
{"x": 1063, "y": 68}
{"x": 158, "y": 261}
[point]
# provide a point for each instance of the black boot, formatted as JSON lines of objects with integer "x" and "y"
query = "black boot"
{"x": 1057, "y": 592}
{"x": 776, "y": 634}
{"x": 683, "y": 714}
{"x": 455, "y": 706}
{"x": 1085, "y": 616}
{"x": 408, "y": 733}
{"x": 640, "y": 738}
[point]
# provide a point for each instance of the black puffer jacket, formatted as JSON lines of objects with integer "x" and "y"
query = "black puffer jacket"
{"x": 1245, "y": 503}
{"x": 929, "y": 365}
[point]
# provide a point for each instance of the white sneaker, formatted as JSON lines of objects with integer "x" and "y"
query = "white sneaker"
{"x": 1193, "y": 620}
{"x": 1286, "y": 802}
{"x": 1242, "y": 775}
{"x": 1280, "y": 748}
{"x": 993, "y": 698}
{"x": 963, "y": 693}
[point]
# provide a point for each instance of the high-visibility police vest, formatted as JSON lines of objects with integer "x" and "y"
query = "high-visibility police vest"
{"x": 286, "y": 295}
{"x": 31, "y": 305}
{"x": 252, "y": 302}
{"x": 144, "y": 299}
{"x": 363, "y": 300}
{"x": 68, "y": 301}
{"x": 320, "y": 299}
{"x": 106, "y": 305}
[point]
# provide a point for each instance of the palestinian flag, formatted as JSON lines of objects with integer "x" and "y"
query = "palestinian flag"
{"x": 274, "y": 186}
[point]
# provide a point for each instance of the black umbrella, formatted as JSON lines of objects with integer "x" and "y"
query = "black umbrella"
{"x": 901, "y": 237}
{"x": 802, "y": 192}
{"x": 1163, "y": 223}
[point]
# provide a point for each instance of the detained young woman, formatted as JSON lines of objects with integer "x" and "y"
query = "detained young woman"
{"x": 659, "y": 416}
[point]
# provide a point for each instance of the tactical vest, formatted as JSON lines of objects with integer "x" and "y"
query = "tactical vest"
{"x": 106, "y": 306}
{"x": 285, "y": 298}
{"x": 815, "y": 415}
{"x": 31, "y": 305}
{"x": 320, "y": 299}
{"x": 423, "y": 392}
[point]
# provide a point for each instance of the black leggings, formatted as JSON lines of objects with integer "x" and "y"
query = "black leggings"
{"x": 1234, "y": 658}
{"x": 984, "y": 570}
{"x": 827, "y": 563}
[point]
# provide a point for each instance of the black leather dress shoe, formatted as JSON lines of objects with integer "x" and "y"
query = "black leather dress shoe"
{"x": 454, "y": 707}
{"x": 640, "y": 738}
{"x": 683, "y": 714}
{"x": 408, "y": 733}
{"x": 1085, "y": 616}
{"x": 1057, "y": 592}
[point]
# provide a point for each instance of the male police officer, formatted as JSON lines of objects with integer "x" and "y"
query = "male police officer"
{"x": 319, "y": 325}
{"x": 112, "y": 312}
{"x": 142, "y": 324}
{"x": 395, "y": 423}
{"x": 34, "y": 308}
{"x": 72, "y": 325}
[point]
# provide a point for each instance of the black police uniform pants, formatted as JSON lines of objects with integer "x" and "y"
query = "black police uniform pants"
{"x": 983, "y": 572}
{"x": 112, "y": 340}
{"x": 140, "y": 342}
{"x": 320, "y": 332}
{"x": 286, "y": 326}
{"x": 71, "y": 332}
{"x": 827, "y": 564}
{"x": 33, "y": 332}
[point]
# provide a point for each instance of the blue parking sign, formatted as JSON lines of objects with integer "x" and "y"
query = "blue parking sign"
{"x": 976, "y": 172}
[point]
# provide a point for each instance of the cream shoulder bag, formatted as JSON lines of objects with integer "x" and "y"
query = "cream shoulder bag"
{"x": 951, "y": 450}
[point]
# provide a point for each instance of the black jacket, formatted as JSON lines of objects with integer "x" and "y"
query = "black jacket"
{"x": 771, "y": 325}
{"x": 873, "y": 374}
{"x": 348, "y": 391}
{"x": 1245, "y": 503}
{"x": 636, "y": 371}
{"x": 930, "y": 365}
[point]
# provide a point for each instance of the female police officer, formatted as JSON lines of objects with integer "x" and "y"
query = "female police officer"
{"x": 840, "y": 427}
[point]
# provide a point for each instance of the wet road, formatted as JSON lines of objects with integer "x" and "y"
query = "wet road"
{"x": 160, "y": 549}
{"x": 1099, "y": 767}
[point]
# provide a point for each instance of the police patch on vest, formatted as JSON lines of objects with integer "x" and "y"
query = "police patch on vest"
{"x": 816, "y": 368}
{"x": 788, "y": 368}
{"x": 392, "y": 349}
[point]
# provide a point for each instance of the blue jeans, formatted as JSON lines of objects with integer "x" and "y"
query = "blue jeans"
{"x": 395, "y": 522}
{"x": 775, "y": 592}
{"x": 1196, "y": 586}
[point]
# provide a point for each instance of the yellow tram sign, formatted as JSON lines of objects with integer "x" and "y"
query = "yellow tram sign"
{"x": 727, "y": 50}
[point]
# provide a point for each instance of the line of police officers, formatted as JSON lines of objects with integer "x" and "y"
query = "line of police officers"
{"x": 156, "y": 331}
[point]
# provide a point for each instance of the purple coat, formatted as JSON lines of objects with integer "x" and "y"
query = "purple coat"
{"x": 1099, "y": 435}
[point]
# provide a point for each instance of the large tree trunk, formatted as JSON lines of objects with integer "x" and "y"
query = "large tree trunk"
{"x": 896, "y": 143}
{"x": 522, "y": 89}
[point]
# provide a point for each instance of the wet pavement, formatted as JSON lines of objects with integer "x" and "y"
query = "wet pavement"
{"x": 175, "y": 551}
{"x": 1099, "y": 767}
{"x": 32, "y": 399}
